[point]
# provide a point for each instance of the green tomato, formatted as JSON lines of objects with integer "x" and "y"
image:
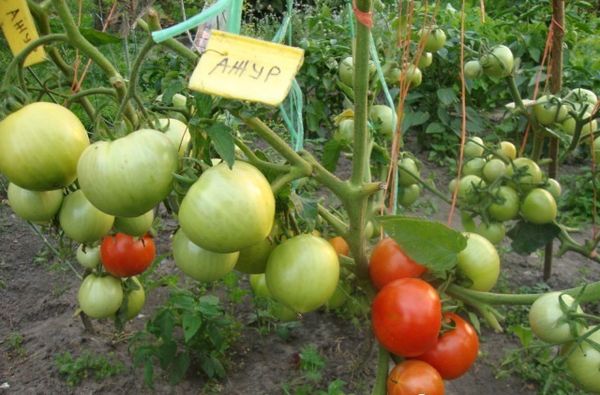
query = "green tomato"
{"x": 494, "y": 169}
{"x": 345, "y": 132}
{"x": 178, "y": 132}
{"x": 467, "y": 187}
{"x": 135, "y": 299}
{"x": 35, "y": 206}
{"x": 549, "y": 110}
{"x": 529, "y": 173}
{"x": 199, "y": 263}
{"x": 498, "y": 62}
{"x": 100, "y": 296}
{"x": 507, "y": 149}
{"x": 179, "y": 101}
{"x": 474, "y": 167}
{"x": 547, "y": 319}
{"x": 473, "y": 147}
{"x": 584, "y": 96}
{"x": 258, "y": 283}
{"x": 554, "y": 188}
{"x": 479, "y": 262}
{"x": 494, "y": 231}
{"x": 88, "y": 256}
{"x": 40, "y": 145}
{"x": 539, "y": 207}
{"x": 569, "y": 125}
{"x": 426, "y": 60}
{"x": 135, "y": 226}
{"x": 346, "y": 71}
{"x": 506, "y": 204}
{"x": 583, "y": 361}
{"x": 435, "y": 38}
{"x": 409, "y": 195}
{"x": 228, "y": 209}
{"x": 127, "y": 177}
{"x": 339, "y": 297}
{"x": 81, "y": 221}
{"x": 414, "y": 76}
{"x": 473, "y": 69}
{"x": 405, "y": 167}
{"x": 382, "y": 118}
{"x": 253, "y": 259}
{"x": 303, "y": 272}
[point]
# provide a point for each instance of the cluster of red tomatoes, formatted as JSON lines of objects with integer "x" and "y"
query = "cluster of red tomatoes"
{"x": 409, "y": 322}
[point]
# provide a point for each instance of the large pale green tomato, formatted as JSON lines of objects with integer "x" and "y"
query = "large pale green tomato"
{"x": 228, "y": 209}
{"x": 405, "y": 168}
{"x": 583, "y": 361}
{"x": 494, "y": 169}
{"x": 547, "y": 319}
{"x": 539, "y": 207}
{"x": 474, "y": 167}
{"x": 346, "y": 71}
{"x": 426, "y": 60}
{"x": 81, "y": 221}
{"x": 178, "y": 132}
{"x": 498, "y": 62}
{"x": 569, "y": 125}
{"x": 479, "y": 262}
{"x": 474, "y": 147}
{"x": 473, "y": 69}
{"x": 129, "y": 176}
{"x": 199, "y": 263}
{"x": 88, "y": 256}
{"x": 135, "y": 226}
{"x": 554, "y": 188}
{"x": 253, "y": 259}
{"x": 409, "y": 195}
{"x": 303, "y": 272}
{"x": 549, "y": 110}
{"x": 40, "y": 145}
{"x": 583, "y": 96}
{"x": 467, "y": 187}
{"x": 100, "y": 296}
{"x": 135, "y": 300}
{"x": 506, "y": 204}
{"x": 494, "y": 231}
{"x": 35, "y": 206}
{"x": 382, "y": 118}
{"x": 435, "y": 38}
{"x": 413, "y": 75}
{"x": 529, "y": 172}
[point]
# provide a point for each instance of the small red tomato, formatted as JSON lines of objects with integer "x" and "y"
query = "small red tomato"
{"x": 125, "y": 256}
{"x": 388, "y": 263}
{"x": 407, "y": 316}
{"x": 414, "y": 377}
{"x": 455, "y": 351}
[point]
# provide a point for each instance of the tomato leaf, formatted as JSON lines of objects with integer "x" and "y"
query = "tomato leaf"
{"x": 222, "y": 139}
{"x": 331, "y": 154}
{"x": 166, "y": 353}
{"x": 432, "y": 244}
{"x": 527, "y": 237}
{"x": 203, "y": 105}
{"x": 98, "y": 38}
{"x": 180, "y": 365}
{"x": 524, "y": 334}
{"x": 191, "y": 323}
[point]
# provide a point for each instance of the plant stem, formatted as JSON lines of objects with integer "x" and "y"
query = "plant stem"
{"x": 172, "y": 44}
{"x": 256, "y": 161}
{"x": 88, "y": 92}
{"x": 340, "y": 226}
{"x": 382, "y": 372}
{"x": 54, "y": 251}
{"x": 286, "y": 178}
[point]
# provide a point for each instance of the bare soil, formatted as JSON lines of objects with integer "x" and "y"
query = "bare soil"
{"x": 37, "y": 302}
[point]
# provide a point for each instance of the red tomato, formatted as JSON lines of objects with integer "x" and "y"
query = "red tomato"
{"x": 388, "y": 263}
{"x": 407, "y": 316}
{"x": 340, "y": 245}
{"x": 414, "y": 377}
{"x": 125, "y": 256}
{"x": 455, "y": 351}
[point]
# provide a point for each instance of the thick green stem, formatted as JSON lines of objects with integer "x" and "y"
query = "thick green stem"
{"x": 340, "y": 226}
{"x": 172, "y": 44}
{"x": 286, "y": 178}
{"x": 383, "y": 361}
{"x": 89, "y": 92}
{"x": 514, "y": 92}
{"x": 261, "y": 164}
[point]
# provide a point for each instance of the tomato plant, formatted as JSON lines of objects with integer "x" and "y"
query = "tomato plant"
{"x": 407, "y": 316}
{"x": 414, "y": 377}
{"x": 303, "y": 272}
{"x": 455, "y": 351}
{"x": 479, "y": 262}
{"x": 35, "y": 206}
{"x": 388, "y": 263}
{"x": 40, "y": 145}
{"x": 100, "y": 296}
{"x": 123, "y": 255}
{"x": 228, "y": 209}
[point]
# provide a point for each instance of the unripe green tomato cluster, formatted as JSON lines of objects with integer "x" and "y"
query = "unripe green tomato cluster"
{"x": 498, "y": 62}
{"x": 499, "y": 187}
{"x": 409, "y": 190}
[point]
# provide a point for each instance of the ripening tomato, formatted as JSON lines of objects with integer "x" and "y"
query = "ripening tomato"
{"x": 340, "y": 245}
{"x": 507, "y": 149}
{"x": 388, "y": 263}
{"x": 125, "y": 256}
{"x": 407, "y": 316}
{"x": 456, "y": 349}
{"x": 414, "y": 377}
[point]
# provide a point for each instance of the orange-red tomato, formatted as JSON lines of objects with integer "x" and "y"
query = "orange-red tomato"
{"x": 340, "y": 245}
{"x": 455, "y": 351}
{"x": 388, "y": 263}
{"x": 125, "y": 256}
{"x": 414, "y": 377}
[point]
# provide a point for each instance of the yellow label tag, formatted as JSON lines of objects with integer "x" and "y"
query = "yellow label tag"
{"x": 239, "y": 67}
{"x": 19, "y": 29}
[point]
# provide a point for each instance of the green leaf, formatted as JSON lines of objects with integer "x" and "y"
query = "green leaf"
{"x": 523, "y": 333}
{"x": 527, "y": 237}
{"x": 191, "y": 323}
{"x": 432, "y": 244}
{"x": 203, "y": 104}
{"x": 447, "y": 96}
{"x": 98, "y": 38}
{"x": 331, "y": 154}
{"x": 435, "y": 128}
{"x": 166, "y": 353}
{"x": 149, "y": 374}
{"x": 414, "y": 119}
{"x": 163, "y": 324}
{"x": 222, "y": 138}
{"x": 179, "y": 368}
{"x": 174, "y": 87}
